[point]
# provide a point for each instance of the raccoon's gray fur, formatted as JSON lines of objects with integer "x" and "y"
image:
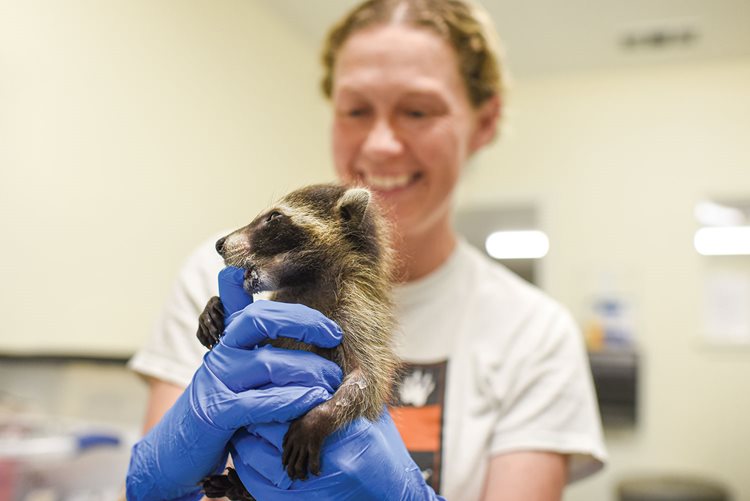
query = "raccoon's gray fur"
{"x": 324, "y": 246}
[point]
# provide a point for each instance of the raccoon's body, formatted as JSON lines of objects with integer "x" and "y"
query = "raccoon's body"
{"x": 324, "y": 246}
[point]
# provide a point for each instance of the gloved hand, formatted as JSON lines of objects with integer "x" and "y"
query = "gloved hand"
{"x": 236, "y": 385}
{"x": 361, "y": 462}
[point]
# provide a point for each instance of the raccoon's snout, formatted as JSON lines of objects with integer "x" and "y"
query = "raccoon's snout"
{"x": 220, "y": 246}
{"x": 252, "y": 283}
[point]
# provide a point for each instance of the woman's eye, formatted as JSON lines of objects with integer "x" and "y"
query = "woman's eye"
{"x": 356, "y": 112}
{"x": 273, "y": 215}
{"x": 415, "y": 113}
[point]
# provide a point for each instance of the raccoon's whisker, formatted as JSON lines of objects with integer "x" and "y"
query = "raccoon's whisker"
{"x": 234, "y": 257}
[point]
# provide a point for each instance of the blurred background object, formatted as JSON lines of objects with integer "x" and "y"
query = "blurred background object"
{"x": 66, "y": 428}
{"x": 671, "y": 488}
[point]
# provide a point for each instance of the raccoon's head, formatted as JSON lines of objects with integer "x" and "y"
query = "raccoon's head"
{"x": 304, "y": 237}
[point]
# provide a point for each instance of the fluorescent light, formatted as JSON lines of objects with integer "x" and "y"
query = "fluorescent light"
{"x": 522, "y": 244}
{"x": 723, "y": 241}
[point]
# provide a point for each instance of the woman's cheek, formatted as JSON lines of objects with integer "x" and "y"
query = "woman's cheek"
{"x": 343, "y": 152}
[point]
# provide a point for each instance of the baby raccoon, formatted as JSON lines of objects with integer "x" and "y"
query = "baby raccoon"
{"x": 324, "y": 246}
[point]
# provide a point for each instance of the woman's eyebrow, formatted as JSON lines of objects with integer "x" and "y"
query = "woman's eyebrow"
{"x": 423, "y": 93}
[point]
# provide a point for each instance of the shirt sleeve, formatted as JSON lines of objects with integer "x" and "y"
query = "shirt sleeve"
{"x": 172, "y": 352}
{"x": 548, "y": 401}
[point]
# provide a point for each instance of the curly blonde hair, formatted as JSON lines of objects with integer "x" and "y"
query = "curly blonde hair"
{"x": 464, "y": 25}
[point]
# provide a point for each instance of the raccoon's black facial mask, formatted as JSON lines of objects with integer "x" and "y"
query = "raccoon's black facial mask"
{"x": 275, "y": 251}
{"x": 282, "y": 254}
{"x": 275, "y": 234}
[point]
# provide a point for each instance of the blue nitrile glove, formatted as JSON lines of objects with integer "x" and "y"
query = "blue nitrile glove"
{"x": 232, "y": 294}
{"x": 364, "y": 461}
{"x": 235, "y": 386}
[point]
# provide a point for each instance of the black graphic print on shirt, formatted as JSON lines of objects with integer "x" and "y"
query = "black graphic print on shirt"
{"x": 418, "y": 413}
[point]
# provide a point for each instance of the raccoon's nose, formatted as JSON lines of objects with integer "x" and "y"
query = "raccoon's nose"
{"x": 220, "y": 245}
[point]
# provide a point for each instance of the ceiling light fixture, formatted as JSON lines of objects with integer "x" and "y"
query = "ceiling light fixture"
{"x": 517, "y": 244}
{"x": 723, "y": 241}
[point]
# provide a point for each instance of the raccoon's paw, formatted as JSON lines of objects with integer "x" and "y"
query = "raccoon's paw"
{"x": 226, "y": 486}
{"x": 211, "y": 323}
{"x": 216, "y": 486}
{"x": 302, "y": 444}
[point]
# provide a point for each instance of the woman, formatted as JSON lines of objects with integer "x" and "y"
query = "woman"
{"x": 416, "y": 90}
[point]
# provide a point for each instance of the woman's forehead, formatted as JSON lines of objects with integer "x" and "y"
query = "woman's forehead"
{"x": 411, "y": 58}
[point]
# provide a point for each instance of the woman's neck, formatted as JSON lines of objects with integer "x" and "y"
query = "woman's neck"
{"x": 419, "y": 254}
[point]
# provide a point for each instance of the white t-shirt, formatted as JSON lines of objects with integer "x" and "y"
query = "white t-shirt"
{"x": 494, "y": 366}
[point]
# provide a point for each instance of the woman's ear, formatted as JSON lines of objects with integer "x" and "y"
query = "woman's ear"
{"x": 487, "y": 117}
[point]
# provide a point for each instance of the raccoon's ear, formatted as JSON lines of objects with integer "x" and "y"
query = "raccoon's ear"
{"x": 353, "y": 205}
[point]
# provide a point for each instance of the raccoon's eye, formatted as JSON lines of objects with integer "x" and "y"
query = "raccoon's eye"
{"x": 273, "y": 215}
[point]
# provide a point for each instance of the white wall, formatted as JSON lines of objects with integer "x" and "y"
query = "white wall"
{"x": 130, "y": 131}
{"x": 616, "y": 161}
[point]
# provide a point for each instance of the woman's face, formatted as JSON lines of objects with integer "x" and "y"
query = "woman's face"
{"x": 403, "y": 123}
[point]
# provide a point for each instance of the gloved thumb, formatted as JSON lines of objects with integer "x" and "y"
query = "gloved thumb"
{"x": 233, "y": 295}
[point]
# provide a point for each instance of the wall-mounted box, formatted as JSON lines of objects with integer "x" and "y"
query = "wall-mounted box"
{"x": 615, "y": 375}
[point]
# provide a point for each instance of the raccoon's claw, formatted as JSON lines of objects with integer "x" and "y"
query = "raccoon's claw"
{"x": 301, "y": 454}
{"x": 211, "y": 323}
{"x": 229, "y": 486}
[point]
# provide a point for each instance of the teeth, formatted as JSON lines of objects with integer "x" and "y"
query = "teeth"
{"x": 388, "y": 182}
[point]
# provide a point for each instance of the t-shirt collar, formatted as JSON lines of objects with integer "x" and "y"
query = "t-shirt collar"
{"x": 442, "y": 278}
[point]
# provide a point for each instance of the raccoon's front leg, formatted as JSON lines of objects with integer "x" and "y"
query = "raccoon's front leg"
{"x": 304, "y": 439}
{"x": 211, "y": 323}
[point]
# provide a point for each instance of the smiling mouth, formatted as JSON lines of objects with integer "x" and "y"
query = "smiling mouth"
{"x": 389, "y": 183}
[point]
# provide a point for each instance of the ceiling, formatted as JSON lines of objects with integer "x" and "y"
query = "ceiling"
{"x": 552, "y": 36}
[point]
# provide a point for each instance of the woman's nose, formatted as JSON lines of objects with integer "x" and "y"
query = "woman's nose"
{"x": 382, "y": 140}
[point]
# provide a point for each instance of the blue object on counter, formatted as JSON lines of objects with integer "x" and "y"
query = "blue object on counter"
{"x": 29, "y": 439}
{"x": 96, "y": 440}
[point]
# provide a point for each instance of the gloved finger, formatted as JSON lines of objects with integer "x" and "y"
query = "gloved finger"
{"x": 242, "y": 370}
{"x": 364, "y": 461}
{"x": 278, "y": 404}
{"x": 270, "y": 320}
{"x": 262, "y": 488}
{"x": 233, "y": 295}
{"x": 333, "y": 487}
{"x": 273, "y": 433}
{"x": 262, "y": 456}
